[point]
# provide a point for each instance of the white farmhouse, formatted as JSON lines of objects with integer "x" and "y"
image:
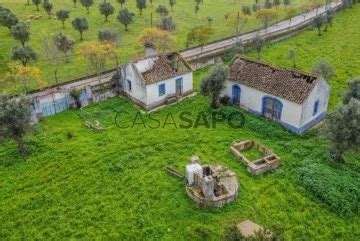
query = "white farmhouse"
{"x": 156, "y": 80}
{"x": 294, "y": 99}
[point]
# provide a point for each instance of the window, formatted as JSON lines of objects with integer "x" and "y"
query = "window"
{"x": 129, "y": 85}
{"x": 161, "y": 89}
{"x": 316, "y": 107}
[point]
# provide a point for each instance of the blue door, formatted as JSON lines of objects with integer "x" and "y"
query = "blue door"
{"x": 179, "y": 86}
{"x": 272, "y": 108}
{"x": 236, "y": 95}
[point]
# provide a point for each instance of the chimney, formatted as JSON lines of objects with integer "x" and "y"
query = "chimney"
{"x": 150, "y": 50}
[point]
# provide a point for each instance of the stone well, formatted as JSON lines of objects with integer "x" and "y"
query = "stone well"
{"x": 210, "y": 185}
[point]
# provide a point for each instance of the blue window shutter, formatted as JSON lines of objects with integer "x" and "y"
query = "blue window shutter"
{"x": 316, "y": 107}
{"x": 162, "y": 89}
{"x": 129, "y": 85}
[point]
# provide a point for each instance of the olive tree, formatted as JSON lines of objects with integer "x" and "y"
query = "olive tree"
{"x": 62, "y": 15}
{"x": 24, "y": 55}
{"x": 353, "y": 91}
{"x": 172, "y": 3}
{"x": 167, "y": 23}
{"x": 21, "y": 32}
{"x": 64, "y": 44}
{"x": 106, "y": 9}
{"x": 318, "y": 22}
{"x": 15, "y": 119}
{"x": 125, "y": 17}
{"x": 37, "y": 3}
{"x": 122, "y": 2}
{"x": 48, "y": 6}
{"x": 257, "y": 44}
{"x": 343, "y": 129}
{"x": 162, "y": 10}
{"x": 141, "y": 5}
{"x": 87, "y": 4}
{"x": 80, "y": 24}
{"x": 7, "y": 18}
{"x": 324, "y": 69}
{"x": 214, "y": 83}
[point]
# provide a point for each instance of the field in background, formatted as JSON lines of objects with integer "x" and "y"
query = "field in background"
{"x": 183, "y": 15}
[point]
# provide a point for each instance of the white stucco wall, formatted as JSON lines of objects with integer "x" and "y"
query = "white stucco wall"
{"x": 252, "y": 99}
{"x": 138, "y": 88}
{"x": 152, "y": 90}
{"x": 321, "y": 93}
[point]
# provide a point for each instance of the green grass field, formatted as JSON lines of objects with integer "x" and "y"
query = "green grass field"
{"x": 81, "y": 184}
{"x": 183, "y": 15}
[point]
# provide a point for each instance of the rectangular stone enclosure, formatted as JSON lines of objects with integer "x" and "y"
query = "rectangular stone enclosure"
{"x": 268, "y": 162}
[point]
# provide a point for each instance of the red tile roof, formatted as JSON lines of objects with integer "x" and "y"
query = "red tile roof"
{"x": 288, "y": 84}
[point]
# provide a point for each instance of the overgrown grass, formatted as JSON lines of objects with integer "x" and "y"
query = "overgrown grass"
{"x": 112, "y": 184}
{"x": 183, "y": 15}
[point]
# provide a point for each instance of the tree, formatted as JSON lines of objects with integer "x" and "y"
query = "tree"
{"x": 277, "y": 3}
{"x": 75, "y": 2}
{"x": 97, "y": 54}
{"x": 160, "y": 39}
{"x": 122, "y": 2}
{"x": 109, "y": 35}
{"x": 246, "y": 10}
{"x": 292, "y": 12}
{"x": 286, "y": 3}
{"x": 21, "y": 77}
{"x": 87, "y": 4}
{"x": 53, "y": 54}
{"x": 167, "y": 24}
{"x": 257, "y": 44}
{"x": 199, "y": 36}
{"x": 268, "y": 4}
{"x": 48, "y": 6}
{"x": 266, "y": 16}
{"x": 210, "y": 20}
{"x": 7, "y": 18}
{"x": 172, "y": 3}
{"x": 197, "y": 9}
{"x": 62, "y": 15}
{"x": 64, "y": 44}
{"x": 80, "y": 24}
{"x": 141, "y": 4}
{"x": 37, "y": 3}
{"x": 214, "y": 83}
{"x": 318, "y": 22}
{"x": 15, "y": 119}
{"x": 343, "y": 129}
{"x": 329, "y": 17}
{"x": 292, "y": 56}
{"x": 324, "y": 69}
{"x": 305, "y": 9}
{"x": 256, "y": 7}
{"x": 237, "y": 20}
{"x": 24, "y": 55}
{"x": 353, "y": 91}
{"x": 106, "y": 9}
{"x": 21, "y": 32}
{"x": 125, "y": 17}
{"x": 162, "y": 10}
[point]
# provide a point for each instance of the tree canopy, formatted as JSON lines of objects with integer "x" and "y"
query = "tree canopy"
{"x": 125, "y": 17}
{"x": 81, "y": 25}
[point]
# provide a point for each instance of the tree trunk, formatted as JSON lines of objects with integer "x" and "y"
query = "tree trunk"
{"x": 126, "y": 28}
{"x": 21, "y": 145}
{"x": 81, "y": 35}
{"x": 63, "y": 24}
{"x": 37, "y": 7}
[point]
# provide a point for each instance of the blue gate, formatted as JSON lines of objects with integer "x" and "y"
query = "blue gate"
{"x": 53, "y": 107}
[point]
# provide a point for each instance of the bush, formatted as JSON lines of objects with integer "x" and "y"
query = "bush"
{"x": 225, "y": 100}
{"x": 337, "y": 187}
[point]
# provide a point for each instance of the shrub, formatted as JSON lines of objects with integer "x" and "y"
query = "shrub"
{"x": 336, "y": 187}
{"x": 225, "y": 100}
